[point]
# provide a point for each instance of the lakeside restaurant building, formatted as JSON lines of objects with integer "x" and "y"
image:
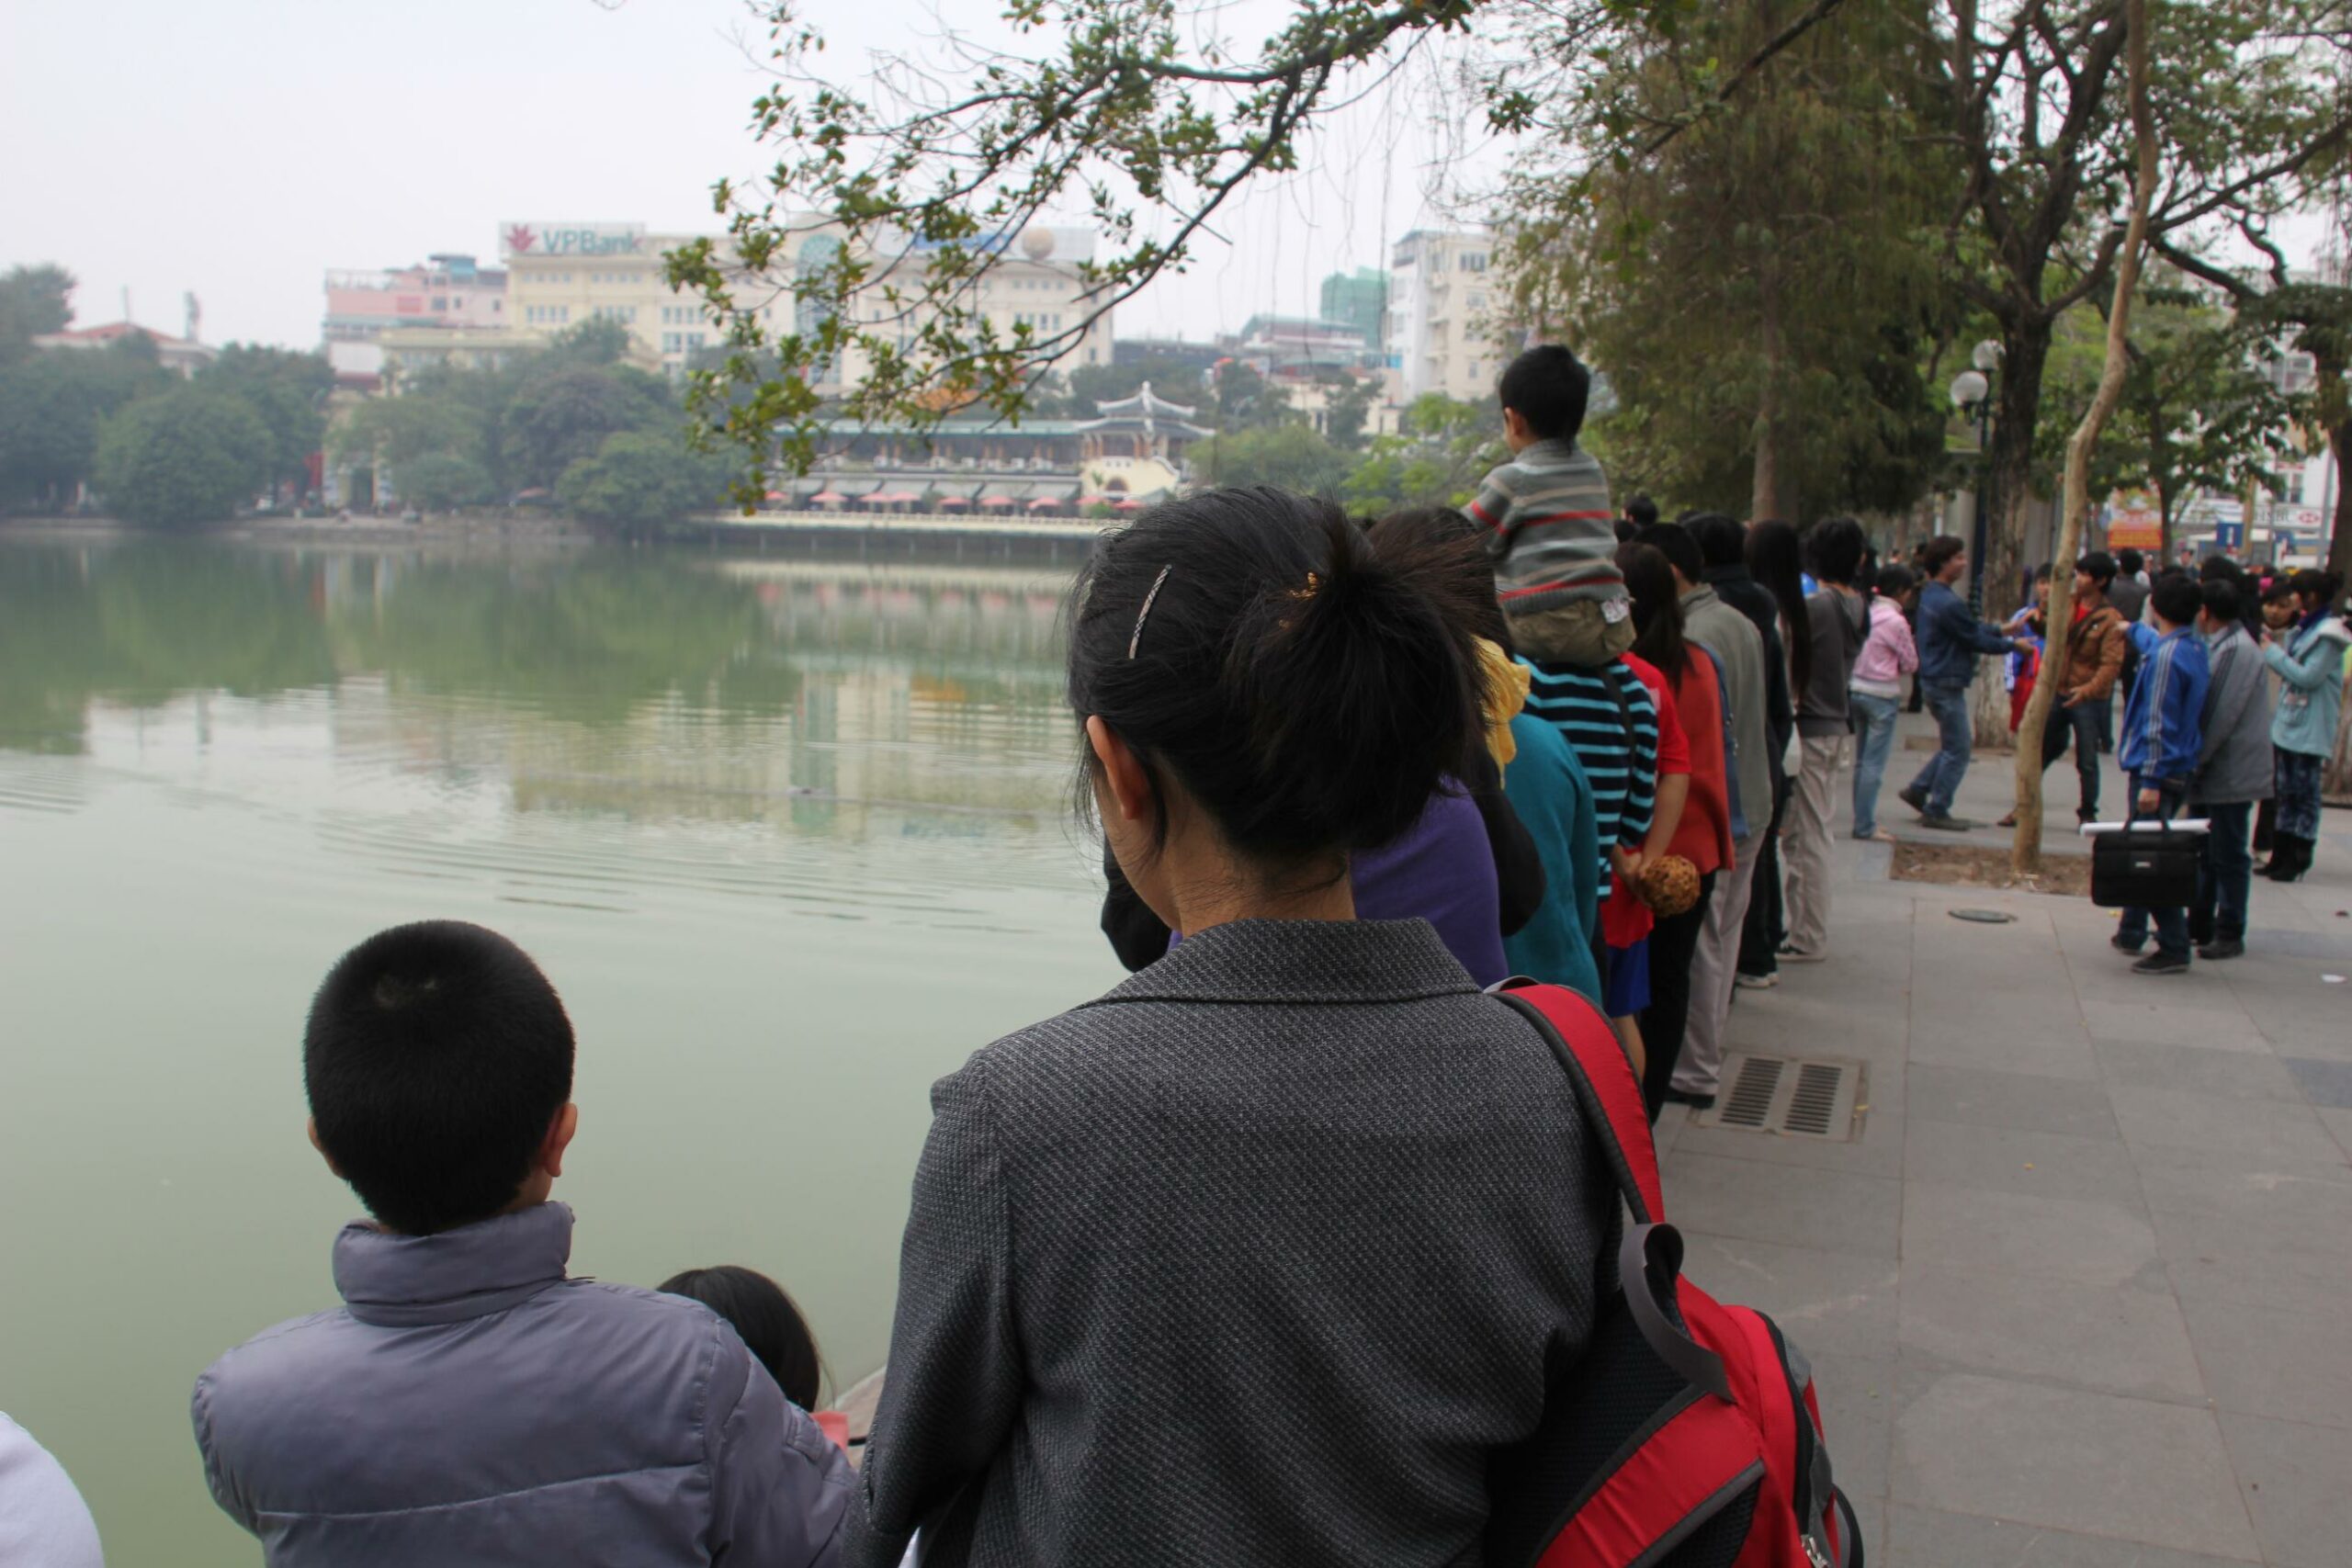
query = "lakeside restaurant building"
{"x": 1131, "y": 452}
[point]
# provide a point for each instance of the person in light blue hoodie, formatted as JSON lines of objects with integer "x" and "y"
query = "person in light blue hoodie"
{"x": 471, "y": 1403}
{"x": 2309, "y": 661}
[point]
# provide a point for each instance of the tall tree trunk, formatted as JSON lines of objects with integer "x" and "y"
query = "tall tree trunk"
{"x": 2338, "y": 781}
{"x": 2025, "y": 852}
{"x": 2016, "y": 412}
{"x": 1764, "y": 494}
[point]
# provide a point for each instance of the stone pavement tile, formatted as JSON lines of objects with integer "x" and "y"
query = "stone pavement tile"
{"x": 2295, "y": 1479}
{"x": 2115, "y": 1339}
{"x": 1671, "y": 1120}
{"x": 2323, "y": 1083}
{"x": 1929, "y": 1537}
{"x": 1977, "y": 1097}
{"x": 2097, "y": 1242}
{"x": 2314, "y": 1194}
{"x": 2269, "y": 1262}
{"x": 2339, "y": 1126}
{"x": 2008, "y": 1159}
{"x": 1827, "y": 1302}
{"x": 1856, "y": 1397}
{"x": 2180, "y": 1118}
{"x": 1953, "y": 1041}
{"x": 1794, "y": 1020}
{"x": 1878, "y": 1152}
{"x": 1790, "y": 1205}
{"x": 2293, "y": 1366}
{"x": 2173, "y": 1017}
{"x": 2067, "y": 1460}
{"x": 2238, "y": 1071}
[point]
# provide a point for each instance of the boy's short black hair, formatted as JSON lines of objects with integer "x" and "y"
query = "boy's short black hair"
{"x": 1673, "y": 541}
{"x": 2098, "y": 566}
{"x": 1549, "y": 386}
{"x": 1937, "y": 553}
{"x": 2129, "y": 562}
{"x": 1722, "y": 539}
{"x": 2219, "y": 596}
{"x": 1835, "y": 547}
{"x": 2176, "y": 597}
{"x": 1641, "y": 512}
{"x": 435, "y": 1058}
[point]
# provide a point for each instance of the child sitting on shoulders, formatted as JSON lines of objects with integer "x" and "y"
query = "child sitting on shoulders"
{"x": 1550, "y": 526}
{"x": 470, "y": 1402}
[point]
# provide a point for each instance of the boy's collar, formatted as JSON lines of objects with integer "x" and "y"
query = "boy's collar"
{"x": 402, "y": 1281}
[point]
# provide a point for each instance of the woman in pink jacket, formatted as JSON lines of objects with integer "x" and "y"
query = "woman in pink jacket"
{"x": 1874, "y": 691}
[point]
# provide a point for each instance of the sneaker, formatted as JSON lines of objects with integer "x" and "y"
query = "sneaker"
{"x": 1801, "y": 955}
{"x": 1913, "y": 797}
{"x": 2222, "y": 947}
{"x": 1947, "y": 824}
{"x": 1694, "y": 1101}
{"x": 1755, "y": 982}
{"x": 2117, "y": 942}
{"x": 2162, "y": 963}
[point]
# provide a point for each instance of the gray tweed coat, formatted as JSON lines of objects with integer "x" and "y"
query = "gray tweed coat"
{"x": 1252, "y": 1260}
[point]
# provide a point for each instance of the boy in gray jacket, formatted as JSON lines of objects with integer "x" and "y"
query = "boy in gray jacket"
{"x": 2233, "y": 770}
{"x": 469, "y": 1402}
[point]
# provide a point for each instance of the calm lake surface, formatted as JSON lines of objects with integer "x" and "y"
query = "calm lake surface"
{"x": 791, "y": 839}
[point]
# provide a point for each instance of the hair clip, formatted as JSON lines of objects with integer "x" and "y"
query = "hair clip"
{"x": 1313, "y": 582}
{"x": 1136, "y": 640}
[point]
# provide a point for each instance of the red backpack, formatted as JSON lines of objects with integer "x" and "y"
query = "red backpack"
{"x": 1687, "y": 1435}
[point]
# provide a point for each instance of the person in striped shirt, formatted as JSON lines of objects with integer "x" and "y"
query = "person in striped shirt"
{"x": 1608, "y": 717}
{"x": 1549, "y": 525}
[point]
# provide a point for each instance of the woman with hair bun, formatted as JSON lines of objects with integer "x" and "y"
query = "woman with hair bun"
{"x": 1258, "y": 1258}
{"x": 2308, "y": 654}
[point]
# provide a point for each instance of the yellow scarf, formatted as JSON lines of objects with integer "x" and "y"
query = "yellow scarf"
{"x": 1503, "y": 685}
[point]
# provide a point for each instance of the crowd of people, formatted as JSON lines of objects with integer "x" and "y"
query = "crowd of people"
{"x": 1261, "y": 1257}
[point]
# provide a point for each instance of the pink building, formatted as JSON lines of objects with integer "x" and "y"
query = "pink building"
{"x": 447, "y": 291}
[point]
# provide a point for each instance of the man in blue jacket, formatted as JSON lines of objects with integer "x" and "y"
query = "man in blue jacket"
{"x": 2162, "y": 742}
{"x": 1950, "y": 641}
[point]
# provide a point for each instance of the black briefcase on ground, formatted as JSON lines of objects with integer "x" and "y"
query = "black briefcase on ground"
{"x": 2151, "y": 866}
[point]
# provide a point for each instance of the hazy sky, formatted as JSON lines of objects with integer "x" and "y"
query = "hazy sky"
{"x": 238, "y": 149}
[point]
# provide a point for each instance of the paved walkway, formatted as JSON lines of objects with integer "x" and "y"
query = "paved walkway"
{"x": 2081, "y": 1293}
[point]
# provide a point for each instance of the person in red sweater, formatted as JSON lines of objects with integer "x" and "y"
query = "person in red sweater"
{"x": 1692, "y": 755}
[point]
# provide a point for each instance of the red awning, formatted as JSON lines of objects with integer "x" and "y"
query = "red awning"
{"x": 829, "y": 498}
{"x": 1044, "y": 503}
{"x": 997, "y": 501}
{"x": 1130, "y": 505}
{"x": 947, "y": 500}
{"x": 893, "y": 498}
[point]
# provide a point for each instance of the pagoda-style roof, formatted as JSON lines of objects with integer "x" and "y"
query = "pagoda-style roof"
{"x": 1146, "y": 412}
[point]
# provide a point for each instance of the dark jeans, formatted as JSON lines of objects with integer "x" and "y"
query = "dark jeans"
{"x": 2172, "y": 925}
{"x": 1673, "y": 942}
{"x": 1762, "y": 930}
{"x": 2225, "y": 875}
{"x": 2081, "y": 722}
{"x": 1939, "y": 780}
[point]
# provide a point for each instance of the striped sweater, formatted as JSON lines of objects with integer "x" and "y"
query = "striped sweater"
{"x": 1550, "y": 528}
{"x": 1616, "y": 747}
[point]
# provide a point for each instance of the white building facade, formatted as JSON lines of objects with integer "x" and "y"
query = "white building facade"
{"x": 1442, "y": 295}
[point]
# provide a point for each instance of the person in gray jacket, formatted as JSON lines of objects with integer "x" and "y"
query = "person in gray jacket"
{"x": 2233, "y": 771}
{"x": 469, "y": 1402}
{"x": 1261, "y": 1257}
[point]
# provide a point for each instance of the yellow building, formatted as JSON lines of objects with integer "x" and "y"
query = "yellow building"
{"x": 561, "y": 273}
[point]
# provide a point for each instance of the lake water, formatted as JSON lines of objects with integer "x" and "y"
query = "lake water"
{"x": 792, "y": 839}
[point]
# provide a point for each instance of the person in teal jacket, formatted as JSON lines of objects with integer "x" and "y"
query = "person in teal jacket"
{"x": 2309, "y": 661}
{"x": 1546, "y": 786}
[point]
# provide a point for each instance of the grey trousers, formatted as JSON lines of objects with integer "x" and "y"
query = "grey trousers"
{"x": 1805, "y": 841}
{"x": 1713, "y": 969}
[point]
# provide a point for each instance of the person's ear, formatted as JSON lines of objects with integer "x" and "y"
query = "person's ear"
{"x": 560, "y": 1131}
{"x": 1122, "y": 771}
{"x": 1515, "y": 425}
{"x": 312, "y": 1127}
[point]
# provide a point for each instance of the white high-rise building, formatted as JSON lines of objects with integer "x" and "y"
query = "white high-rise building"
{"x": 1441, "y": 300}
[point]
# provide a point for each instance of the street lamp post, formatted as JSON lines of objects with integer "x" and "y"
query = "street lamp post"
{"x": 1972, "y": 393}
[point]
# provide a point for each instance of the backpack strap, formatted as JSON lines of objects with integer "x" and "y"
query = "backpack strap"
{"x": 1605, "y": 1087}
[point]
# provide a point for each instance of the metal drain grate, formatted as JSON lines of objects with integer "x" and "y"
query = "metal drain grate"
{"x": 1796, "y": 1098}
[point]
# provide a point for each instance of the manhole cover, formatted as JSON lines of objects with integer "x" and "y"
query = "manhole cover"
{"x": 1984, "y": 917}
{"x": 1795, "y": 1097}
